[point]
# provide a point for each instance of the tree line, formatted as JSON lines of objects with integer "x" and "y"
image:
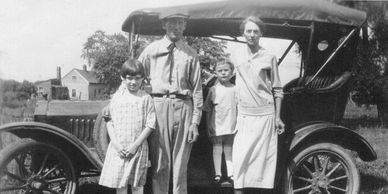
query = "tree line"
{"x": 106, "y": 53}
{"x": 15, "y": 94}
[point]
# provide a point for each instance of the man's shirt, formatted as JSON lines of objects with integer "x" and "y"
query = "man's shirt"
{"x": 185, "y": 75}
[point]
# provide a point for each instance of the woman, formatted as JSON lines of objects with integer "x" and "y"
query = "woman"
{"x": 259, "y": 96}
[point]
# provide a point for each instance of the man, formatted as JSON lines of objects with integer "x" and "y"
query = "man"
{"x": 173, "y": 70}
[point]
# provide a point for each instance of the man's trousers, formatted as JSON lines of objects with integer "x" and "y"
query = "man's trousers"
{"x": 169, "y": 149}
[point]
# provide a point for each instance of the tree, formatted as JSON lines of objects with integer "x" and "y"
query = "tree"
{"x": 208, "y": 48}
{"x": 106, "y": 53}
{"x": 15, "y": 94}
{"x": 371, "y": 75}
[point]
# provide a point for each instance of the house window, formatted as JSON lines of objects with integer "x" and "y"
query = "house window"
{"x": 73, "y": 93}
{"x": 73, "y": 77}
{"x": 99, "y": 91}
{"x": 95, "y": 93}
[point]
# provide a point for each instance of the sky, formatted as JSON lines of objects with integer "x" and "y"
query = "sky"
{"x": 36, "y": 36}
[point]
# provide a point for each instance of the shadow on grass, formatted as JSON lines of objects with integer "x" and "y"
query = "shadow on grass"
{"x": 371, "y": 184}
{"x": 94, "y": 188}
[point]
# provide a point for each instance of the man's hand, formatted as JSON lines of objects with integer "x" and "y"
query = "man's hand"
{"x": 193, "y": 133}
{"x": 279, "y": 126}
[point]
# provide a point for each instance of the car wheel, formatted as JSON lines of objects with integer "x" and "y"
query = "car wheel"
{"x": 101, "y": 137}
{"x": 322, "y": 168}
{"x": 28, "y": 166}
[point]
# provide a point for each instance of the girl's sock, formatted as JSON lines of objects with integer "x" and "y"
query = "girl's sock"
{"x": 138, "y": 190}
{"x": 228, "y": 158}
{"x": 122, "y": 190}
{"x": 217, "y": 156}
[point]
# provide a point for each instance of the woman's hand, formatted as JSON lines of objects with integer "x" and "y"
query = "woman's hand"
{"x": 279, "y": 126}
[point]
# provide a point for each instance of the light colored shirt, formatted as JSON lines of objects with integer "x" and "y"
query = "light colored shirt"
{"x": 186, "y": 73}
{"x": 257, "y": 78}
{"x": 222, "y": 105}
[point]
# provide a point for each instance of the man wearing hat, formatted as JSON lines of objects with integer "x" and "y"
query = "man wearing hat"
{"x": 173, "y": 70}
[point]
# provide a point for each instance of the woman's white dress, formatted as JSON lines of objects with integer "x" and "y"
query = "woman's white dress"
{"x": 255, "y": 143}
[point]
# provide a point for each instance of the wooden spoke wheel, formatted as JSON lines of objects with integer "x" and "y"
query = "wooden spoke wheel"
{"x": 32, "y": 167}
{"x": 323, "y": 168}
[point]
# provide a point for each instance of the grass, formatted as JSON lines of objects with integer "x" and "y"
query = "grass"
{"x": 10, "y": 115}
{"x": 374, "y": 175}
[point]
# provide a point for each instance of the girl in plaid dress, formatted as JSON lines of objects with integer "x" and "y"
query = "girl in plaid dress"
{"x": 132, "y": 121}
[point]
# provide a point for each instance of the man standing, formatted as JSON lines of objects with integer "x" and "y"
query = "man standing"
{"x": 173, "y": 70}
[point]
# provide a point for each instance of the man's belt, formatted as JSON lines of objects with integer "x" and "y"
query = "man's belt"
{"x": 172, "y": 96}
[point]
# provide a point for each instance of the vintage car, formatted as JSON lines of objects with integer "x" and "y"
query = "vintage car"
{"x": 68, "y": 139}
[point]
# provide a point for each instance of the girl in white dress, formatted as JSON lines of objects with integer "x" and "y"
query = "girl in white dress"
{"x": 132, "y": 121}
{"x": 259, "y": 95}
{"x": 221, "y": 108}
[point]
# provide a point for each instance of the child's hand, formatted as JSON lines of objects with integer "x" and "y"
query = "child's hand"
{"x": 210, "y": 132}
{"x": 106, "y": 113}
{"x": 120, "y": 149}
{"x": 131, "y": 150}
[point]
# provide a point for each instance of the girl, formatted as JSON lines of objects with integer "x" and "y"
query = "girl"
{"x": 132, "y": 121}
{"x": 221, "y": 107}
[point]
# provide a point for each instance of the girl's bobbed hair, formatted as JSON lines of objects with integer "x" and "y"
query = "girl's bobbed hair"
{"x": 132, "y": 67}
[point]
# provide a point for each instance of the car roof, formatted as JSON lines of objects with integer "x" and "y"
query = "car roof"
{"x": 224, "y": 17}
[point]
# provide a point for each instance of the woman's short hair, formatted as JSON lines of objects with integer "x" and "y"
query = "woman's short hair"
{"x": 223, "y": 62}
{"x": 255, "y": 20}
{"x": 132, "y": 67}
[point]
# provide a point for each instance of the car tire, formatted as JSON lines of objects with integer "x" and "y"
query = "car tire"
{"x": 322, "y": 168}
{"x": 29, "y": 166}
{"x": 101, "y": 137}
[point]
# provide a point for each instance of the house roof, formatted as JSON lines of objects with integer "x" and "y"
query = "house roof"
{"x": 90, "y": 76}
{"x": 53, "y": 81}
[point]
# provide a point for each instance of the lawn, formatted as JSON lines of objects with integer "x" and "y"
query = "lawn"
{"x": 374, "y": 175}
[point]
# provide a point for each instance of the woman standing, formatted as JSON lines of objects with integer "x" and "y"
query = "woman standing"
{"x": 259, "y": 96}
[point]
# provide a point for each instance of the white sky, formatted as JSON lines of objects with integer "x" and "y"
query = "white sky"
{"x": 36, "y": 36}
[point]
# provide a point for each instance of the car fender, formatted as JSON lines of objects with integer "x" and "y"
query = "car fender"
{"x": 80, "y": 154}
{"x": 325, "y": 131}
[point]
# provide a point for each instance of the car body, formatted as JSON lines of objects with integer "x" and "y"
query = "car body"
{"x": 313, "y": 105}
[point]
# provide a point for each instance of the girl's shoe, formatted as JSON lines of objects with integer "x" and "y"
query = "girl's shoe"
{"x": 217, "y": 179}
{"x": 230, "y": 180}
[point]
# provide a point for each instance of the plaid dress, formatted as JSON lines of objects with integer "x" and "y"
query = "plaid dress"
{"x": 130, "y": 115}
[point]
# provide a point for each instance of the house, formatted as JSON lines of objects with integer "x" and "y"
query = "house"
{"x": 51, "y": 88}
{"x": 44, "y": 88}
{"x": 83, "y": 85}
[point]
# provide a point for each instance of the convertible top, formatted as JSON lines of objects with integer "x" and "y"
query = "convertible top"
{"x": 222, "y": 17}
